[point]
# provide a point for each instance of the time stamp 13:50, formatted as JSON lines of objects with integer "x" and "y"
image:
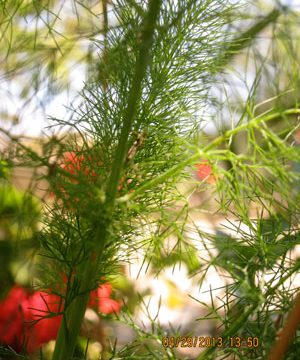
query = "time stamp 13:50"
{"x": 208, "y": 341}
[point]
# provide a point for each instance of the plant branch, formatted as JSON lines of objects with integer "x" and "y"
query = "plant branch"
{"x": 74, "y": 314}
{"x": 249, "y": 35}
{"x": 232, "y": 331}
{"x": 175, "y": 170}
{"x": 133, "y": 99}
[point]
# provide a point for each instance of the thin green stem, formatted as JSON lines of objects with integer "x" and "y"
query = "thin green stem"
{"x": 232, "y": 331}
{"x": 175, "y": 170}
{"x": 249, "y": 35}
{"x": 253, "y": 123}
{"x": 273, "y": 289}
{"x": 238, "y": 324}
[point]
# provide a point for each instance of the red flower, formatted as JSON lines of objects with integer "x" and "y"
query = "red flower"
{"x": 11, "y": 318}
{"x": 66, "y": 188}
{"x": 29, "y": 320}
{"x": 204, "y": 172}
{"x": 77, "y": 164}
{"x": 41, "y": 319}
{"x": 73, "y": 163}
{"x": 19, "y": 312}
{"x": 100, "y": 299}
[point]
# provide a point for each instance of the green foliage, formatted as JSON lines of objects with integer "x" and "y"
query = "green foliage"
{"x": 19, "y": 216}
{"x": 137, "y": 133}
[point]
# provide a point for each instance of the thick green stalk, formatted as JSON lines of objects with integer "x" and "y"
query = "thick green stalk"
{"x": 74, "y": 314}
{"x": 134, "y": 98}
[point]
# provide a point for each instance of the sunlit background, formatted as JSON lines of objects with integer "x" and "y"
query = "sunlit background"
{"x": 41, "y": 80}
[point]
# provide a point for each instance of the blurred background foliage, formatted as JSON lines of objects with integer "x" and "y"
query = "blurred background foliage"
{"x": 44, "y": 46}
{"x": 19, "y": 222}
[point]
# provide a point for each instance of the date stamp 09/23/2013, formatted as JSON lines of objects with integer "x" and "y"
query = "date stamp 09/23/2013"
{"x": 208, "y": 342}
